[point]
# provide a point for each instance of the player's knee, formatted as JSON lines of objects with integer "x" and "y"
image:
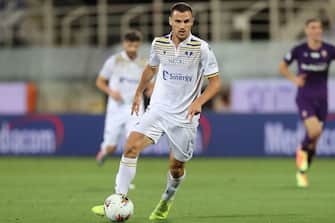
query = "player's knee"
{"x": 131, "y": 153}
{"x": 315, "y": 133}
{"x": 131, "y": 150}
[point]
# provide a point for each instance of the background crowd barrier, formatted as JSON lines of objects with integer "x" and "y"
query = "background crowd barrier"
{"x": 218, "y": 135}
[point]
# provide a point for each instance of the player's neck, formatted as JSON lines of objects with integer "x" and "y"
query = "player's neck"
{"x": 177, "y": 40}
{"x": 132, "y": 56}
{"x": 314, "y": 44}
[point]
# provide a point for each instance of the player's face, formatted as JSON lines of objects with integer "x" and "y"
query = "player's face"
{"x": 314, "y": 31}
{"x": 181, "y": 24}
{"x": 131, "y": 48}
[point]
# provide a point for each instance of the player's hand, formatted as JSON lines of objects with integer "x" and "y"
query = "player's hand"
{"x": 300, "y": 80}
{"x": 193, "y": 110}
{"x": 136, "y": 104}
{"x": 115, "y": 95}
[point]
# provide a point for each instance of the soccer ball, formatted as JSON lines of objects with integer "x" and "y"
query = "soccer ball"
{"x": 118, "y": 208}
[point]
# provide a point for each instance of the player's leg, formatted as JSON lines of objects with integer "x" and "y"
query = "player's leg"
{"x": 314, "y": 126}
{"x": 181, "y": 143}
{"x": 112, "y": 132}
{"x": 175, "y": 177}
{"x": 306, "y": 111}
{"x": 146, "y": 131}
{"x": 314, "y": 129}
{"x": 307, "y": 150}
{"x": 136, "y": 142}
{"x": 104, "y": 152}
{"x": 129, "y": 125}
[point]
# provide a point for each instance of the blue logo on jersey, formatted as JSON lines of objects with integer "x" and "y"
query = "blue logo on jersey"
{"x": 188, "y": 53}
{"x": 176, "y": 76}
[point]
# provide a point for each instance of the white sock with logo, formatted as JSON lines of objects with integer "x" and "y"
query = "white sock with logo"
{"x": 172, "y": 186}
{"x": 126, "y": 174}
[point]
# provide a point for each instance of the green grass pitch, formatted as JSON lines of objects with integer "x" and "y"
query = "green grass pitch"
{"x": 61, "y": 190}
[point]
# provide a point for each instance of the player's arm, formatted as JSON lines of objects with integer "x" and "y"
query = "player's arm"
{"x": 147, "y": 75}
{"x": 298, "y": 80}
{"x": 213, "y": 87}
{"x": 149, "y": 89}
{"x": 102, "y": 84}
{"x": 210, "y": 69}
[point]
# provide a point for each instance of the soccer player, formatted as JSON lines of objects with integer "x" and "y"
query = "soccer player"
{"x": 313, "y": 58}
{"x": 182, "y": 61}
{"x": 119, "y": 78}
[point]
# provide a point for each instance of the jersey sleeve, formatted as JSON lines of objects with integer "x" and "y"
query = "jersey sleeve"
{"x": 209, "y": 65}
{"x": 107, "y": 69}
{"x": 153, "y": 58}
{"x": 332, "y": 52}
{"x": 290, "y": 56}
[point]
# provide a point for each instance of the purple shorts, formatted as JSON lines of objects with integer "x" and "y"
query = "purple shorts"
{"x": 309, "y": 107}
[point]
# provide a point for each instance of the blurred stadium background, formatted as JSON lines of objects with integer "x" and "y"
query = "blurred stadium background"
{"x": 51, "y": 51}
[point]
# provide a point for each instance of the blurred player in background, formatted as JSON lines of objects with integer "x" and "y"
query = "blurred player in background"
{"x": 119, "y": 78}
{"x": 182, "y": 61}
{"x": 313, "y": 57}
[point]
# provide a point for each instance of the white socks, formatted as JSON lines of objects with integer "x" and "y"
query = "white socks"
{"x": 172, "y": 186}
{"x": 126, "y": 174}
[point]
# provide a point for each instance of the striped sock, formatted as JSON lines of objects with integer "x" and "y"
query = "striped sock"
{"x": 126, "y": 174}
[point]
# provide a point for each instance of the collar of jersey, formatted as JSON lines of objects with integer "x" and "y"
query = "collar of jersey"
{"x": 188, "y": 39}
{"x": 125, "y": 56}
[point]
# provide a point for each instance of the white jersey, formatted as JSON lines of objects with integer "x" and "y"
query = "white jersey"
{"x": 180, "y": 76}
{"x": 124, "y": 75}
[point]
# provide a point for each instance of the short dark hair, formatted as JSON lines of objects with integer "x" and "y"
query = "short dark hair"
{"x": 132, "y": 36}
{"x": 180, "y": 7}
{"x": 309, "y": 21}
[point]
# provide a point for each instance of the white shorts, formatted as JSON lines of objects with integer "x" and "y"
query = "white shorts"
{"x": 117, "y": 125}
{"x": 181, "y": 138}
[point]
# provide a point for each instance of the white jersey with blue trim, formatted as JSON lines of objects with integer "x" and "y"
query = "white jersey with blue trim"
{"x": 180, "y": 75}
{"x": 124, "y": 75}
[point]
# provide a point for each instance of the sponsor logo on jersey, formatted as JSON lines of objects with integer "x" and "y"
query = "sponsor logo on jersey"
{"x": 315, "y": 55}
{"x": 314, "y": 67}
{"x": 176, "y": 76}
